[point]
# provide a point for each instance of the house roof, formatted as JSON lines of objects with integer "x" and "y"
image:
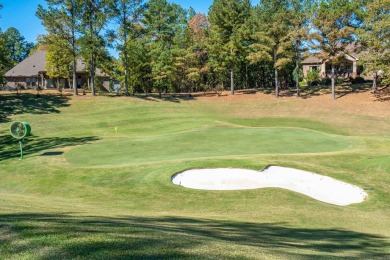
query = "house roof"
{"x": 311, "y": 60}
{"x": 31, "y": 66}
{"x": 36, "y": 63}
{"x": 351, "y": 50}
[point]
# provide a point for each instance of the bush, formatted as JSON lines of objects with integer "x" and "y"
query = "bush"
{"x": 219, "y": 89}
{"x": 19, "y": 88}
{"x": 302, "y": 83}
{"x": 326, "y": 81}
{"x": 339, "y": 81}
{"x": 312, "y": 77}
{"x": 300, "y": 74}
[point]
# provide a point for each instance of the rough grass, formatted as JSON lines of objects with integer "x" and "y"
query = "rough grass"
{"x": 54, "y": 205}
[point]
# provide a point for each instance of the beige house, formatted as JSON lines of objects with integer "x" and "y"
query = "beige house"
{"x": 32, "y": 73}
{"x": 347, "y": 67}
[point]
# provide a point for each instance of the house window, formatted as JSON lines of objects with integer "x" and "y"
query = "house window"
{"x": 31, "y": 82}
{"x": 49, "y": 83}
{"x": 315, "y": 68}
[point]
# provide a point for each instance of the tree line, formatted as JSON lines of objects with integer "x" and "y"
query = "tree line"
{"x": 165, "y": 48}
{"x": 13, "y": 49}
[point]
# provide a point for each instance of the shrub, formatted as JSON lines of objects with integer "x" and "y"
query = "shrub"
{"x": 219, "y": 89}
{"x": 326, "y": 81}
{"x": 312, "y": 77}
{"x": 339, "y": 81}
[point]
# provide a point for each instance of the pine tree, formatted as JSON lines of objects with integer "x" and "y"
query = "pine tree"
{"x": 95, "y": 15}
{"x": 333, "y": 29}
{"x": 228, "y": 21}
{"x": 271, "y": 41}
{"x": 127, "y": 16}
{"x": 162, "y": 21}
{"x": 17, "y": 48}
{"x": 62, "y": 19}
{"x": 5, "y": 62}
{"x": 298, "y": 17}
{"x": 375, "y": 39}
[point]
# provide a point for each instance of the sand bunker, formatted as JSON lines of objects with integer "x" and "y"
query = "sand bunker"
{"x": 317, "y": 186}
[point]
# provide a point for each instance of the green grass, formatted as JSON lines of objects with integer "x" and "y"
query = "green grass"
{"x": 206, "y": 143}
{"x": 82, "y": 193}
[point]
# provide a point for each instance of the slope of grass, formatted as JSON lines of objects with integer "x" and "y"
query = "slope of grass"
{"x": 52, "y": 206}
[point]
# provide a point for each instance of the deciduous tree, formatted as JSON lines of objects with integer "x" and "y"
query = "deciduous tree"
{"x": 58, "y": 59}
{"x": 62, "y": 19}
{"x": 17, "y": 48}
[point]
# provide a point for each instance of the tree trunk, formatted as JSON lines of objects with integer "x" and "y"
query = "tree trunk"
{"x": 232, "y": 80}
{"x": 276, "y": 76}
{"x": 297, "y": 77}
{"x": 333, "y": 87}
{"x": 92, "y": 76}
{"x": 246, "y": 76}
{"x": 124, "y": 18}
{"x": 374, "y": 83}
{"x": 276, "y": 83}
{"x": 75, "y": 92}
{"x": 126, "y": 73}
{"x": 74, "y": 67}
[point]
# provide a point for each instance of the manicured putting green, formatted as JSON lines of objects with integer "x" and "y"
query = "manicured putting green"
{"x": 212, "y": 142}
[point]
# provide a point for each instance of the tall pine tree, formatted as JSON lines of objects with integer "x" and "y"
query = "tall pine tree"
{"x": 62, "y": 19}
{"x": 375, "y": 39}
{"x": 333, "y": 30}
{"x": 228, "y": 24}
{"x": 127, "y": 17}
{"x": 271, "y": 41}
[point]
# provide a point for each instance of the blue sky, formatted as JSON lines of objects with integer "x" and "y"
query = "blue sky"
{"x": 21, "y": 15}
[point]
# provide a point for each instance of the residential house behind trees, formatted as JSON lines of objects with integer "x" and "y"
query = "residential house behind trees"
{"x": 32, "y": 73}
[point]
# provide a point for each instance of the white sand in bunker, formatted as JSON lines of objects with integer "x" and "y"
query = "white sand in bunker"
{"x": 317, "y": 186}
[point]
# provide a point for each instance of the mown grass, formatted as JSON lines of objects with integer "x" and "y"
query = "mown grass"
{"x": 77, "y": 195}
{"x": 206, "y": 143}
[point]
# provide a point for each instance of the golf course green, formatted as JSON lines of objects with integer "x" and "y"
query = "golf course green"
{"x": 83, "y": 191}
{"x": 206, "y": 143}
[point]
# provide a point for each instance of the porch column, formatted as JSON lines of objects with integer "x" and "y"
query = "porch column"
{"x": 354, "y": 69}
{"x": 43, "y": 81}
{"x": 323, "y": 70}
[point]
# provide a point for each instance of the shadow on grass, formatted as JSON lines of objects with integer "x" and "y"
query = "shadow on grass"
{"x": 16, "y": 104}
{"x": 168, "y": 97}
{"x": 32, "y": 144}
{"x": 46, "y": 236}
{"x": 340, "y": 90}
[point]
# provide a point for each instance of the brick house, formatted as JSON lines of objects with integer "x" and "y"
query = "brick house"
{"x": 32, "y": 73}
{"x": 347, "y": 67}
